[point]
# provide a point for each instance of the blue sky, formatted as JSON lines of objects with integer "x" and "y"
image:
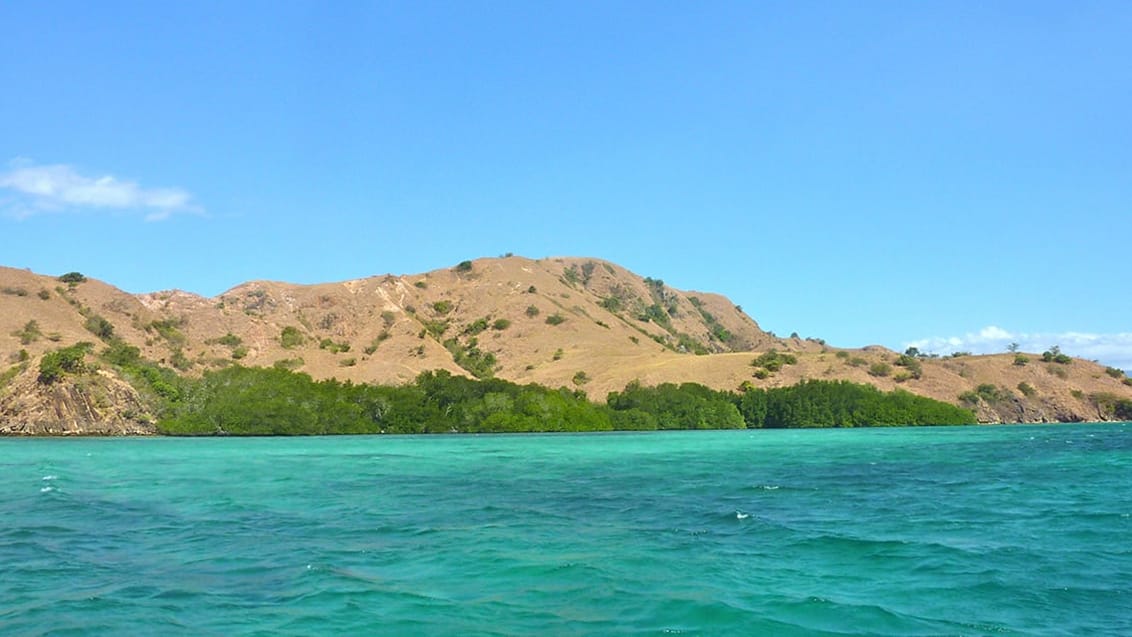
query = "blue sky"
{"x": 931, "y": 173}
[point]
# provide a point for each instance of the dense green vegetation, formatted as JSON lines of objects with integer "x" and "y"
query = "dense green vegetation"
{"x": 669, "y": 406}
{"x": 256, "y": 401}
{"x": 275, "y": 401}
{"x": 160, "y": 384}
{"x": 817, "y": 403}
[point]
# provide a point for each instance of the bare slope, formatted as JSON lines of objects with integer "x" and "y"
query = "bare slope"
{"x": 575, "y": 322}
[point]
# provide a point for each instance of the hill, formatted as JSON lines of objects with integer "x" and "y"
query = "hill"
{"x": 581, "y": 323}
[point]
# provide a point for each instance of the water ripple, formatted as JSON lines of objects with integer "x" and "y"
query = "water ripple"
{"x": 896, "y": 532}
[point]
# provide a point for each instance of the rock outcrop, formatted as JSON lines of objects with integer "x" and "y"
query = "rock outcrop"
{"x": 90, "y": 404}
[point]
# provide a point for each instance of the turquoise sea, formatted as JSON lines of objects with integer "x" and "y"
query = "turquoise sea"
{"x": 1011, "y": 530}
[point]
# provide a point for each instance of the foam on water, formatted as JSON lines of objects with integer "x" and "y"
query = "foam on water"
{"x": 870, "y": 532}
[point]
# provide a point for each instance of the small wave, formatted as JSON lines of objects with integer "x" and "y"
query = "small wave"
{"x": 739, "y": 515}
{"x": 46, "y": 489}
{"x": 50, "y": 478}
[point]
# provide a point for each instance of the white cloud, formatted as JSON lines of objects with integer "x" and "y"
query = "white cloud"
{"x": 1109, "y": 349}
{"x": 59, "y": 187}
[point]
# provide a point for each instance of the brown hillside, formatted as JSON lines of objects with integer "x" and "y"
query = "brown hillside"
{"x": 571, "y": 322}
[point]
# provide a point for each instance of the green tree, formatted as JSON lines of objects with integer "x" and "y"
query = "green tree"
{"x": 1054, "y": 355}
{"x": 72, "y": 278}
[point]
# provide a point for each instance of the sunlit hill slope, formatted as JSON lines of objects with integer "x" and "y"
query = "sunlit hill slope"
{"x": 581, "y": 323}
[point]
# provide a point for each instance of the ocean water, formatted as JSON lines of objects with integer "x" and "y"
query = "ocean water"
{"x": 1015, "y": 530}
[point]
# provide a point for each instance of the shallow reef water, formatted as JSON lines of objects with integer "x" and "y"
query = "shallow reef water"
{"x": 1013, "y": 530}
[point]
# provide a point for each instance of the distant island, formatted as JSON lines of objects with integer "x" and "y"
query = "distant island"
{"x": 495, "y": 344}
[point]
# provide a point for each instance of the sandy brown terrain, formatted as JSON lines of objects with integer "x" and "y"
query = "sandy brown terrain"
{"x": 575, "y": 322}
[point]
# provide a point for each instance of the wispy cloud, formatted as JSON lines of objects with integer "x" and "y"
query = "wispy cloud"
{"x": 1110, "y": 349}
{"x": 58, "y": 187}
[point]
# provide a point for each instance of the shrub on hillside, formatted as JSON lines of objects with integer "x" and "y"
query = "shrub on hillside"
{"x": 30, "y": 333}
{"x": 100, "y": 327}
{"x": 291, "y": 337}
{"x": 987, "y": 392}
{"x": 68, "y": 360}
{"x": 1054, "y": 355}
{"x": 880, "y": 369}
{"x": 912, "y": 364}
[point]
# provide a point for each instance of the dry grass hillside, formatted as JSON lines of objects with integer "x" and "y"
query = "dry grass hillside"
{"x": 575, "y": 322}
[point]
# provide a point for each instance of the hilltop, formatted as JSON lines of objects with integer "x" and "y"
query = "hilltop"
{"x": 581, "y": 323}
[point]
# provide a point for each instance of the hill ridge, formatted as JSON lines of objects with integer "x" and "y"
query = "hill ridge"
{"x": 579, "y": 322}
